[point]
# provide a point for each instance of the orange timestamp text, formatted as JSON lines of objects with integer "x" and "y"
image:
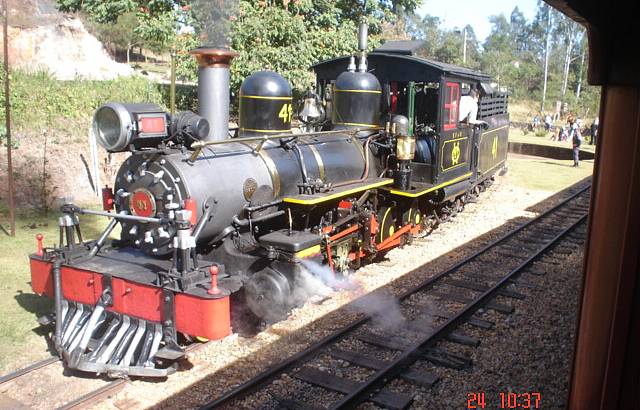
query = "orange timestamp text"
{"x": 509, "y": 400}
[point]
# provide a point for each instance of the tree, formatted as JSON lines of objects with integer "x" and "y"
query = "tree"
{"x": 157, "y": 20}
{"x": 119, "y": 35}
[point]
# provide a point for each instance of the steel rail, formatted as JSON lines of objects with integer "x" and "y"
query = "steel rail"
{"x": 26, "y": 370}
{"x": 411, "y": 355}
{"x": 113, "y": 387}
{"x": 258, "y": 381}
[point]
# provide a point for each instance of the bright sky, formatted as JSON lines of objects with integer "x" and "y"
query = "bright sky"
{"x": 459, "y": 13}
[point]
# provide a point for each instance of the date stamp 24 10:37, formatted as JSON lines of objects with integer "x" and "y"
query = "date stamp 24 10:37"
{"x": 507, "y": 400}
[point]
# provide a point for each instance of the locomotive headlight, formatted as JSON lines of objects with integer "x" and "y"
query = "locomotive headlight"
{"x": 117, "y": 125}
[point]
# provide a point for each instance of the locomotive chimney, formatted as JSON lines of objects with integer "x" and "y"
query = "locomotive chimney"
{"x": 213, "y": 88}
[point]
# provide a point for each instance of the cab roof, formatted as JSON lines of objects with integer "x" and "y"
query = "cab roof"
{"x": 393, "y": 66}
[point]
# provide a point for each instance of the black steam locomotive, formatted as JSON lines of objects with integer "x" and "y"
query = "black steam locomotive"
{"x": 207, "y": 214}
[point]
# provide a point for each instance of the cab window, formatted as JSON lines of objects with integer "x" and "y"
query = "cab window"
{"x": 452, "y": 98}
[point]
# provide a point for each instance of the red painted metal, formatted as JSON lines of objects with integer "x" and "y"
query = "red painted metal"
{"x": 107, "y": 198}
{"x": 209, "y": 318}
{"x": 153, "y": 125}
{"x": 41, "y": 277}
{"x": 81, "y": 285}
{"x": 374, "y": 226}
{"x": 190, "y": 205}
{"x": 393, "y": 240}
{"x": 344, "y": 233}
{"x": 344, "y": 204}
{"x": 39, "y": 239}
{"x": 196, "y": 316}
{"x": 394, "y": 95}
{"x": 213, "y": 290}
{"x": 142, "y": 204}
{"x": 136, "y": 299}
{"x": 329, "y": 257}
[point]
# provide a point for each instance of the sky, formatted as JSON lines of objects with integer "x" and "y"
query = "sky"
{"x": 459, "y": 13}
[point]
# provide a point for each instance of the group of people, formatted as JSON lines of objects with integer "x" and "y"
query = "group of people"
{"x": 569, "y": 132}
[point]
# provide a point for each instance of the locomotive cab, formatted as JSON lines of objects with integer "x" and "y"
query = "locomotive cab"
{"x": 450, "y": 155}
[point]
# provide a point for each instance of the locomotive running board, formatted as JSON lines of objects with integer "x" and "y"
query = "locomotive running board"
{"x": 98, "y": 341}
{"x": 340, "y": 192}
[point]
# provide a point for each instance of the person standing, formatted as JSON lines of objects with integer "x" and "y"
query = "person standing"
{"x": 576, "y": 139}
{"x": 594, "y": 130}
{"x": 547, "y": 122}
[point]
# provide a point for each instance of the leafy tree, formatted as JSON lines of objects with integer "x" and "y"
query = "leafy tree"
{"x": 119, "y": 35}
{"x": 157, "y": 20}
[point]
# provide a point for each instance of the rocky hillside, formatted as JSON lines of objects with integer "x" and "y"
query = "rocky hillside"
{"x": 43, "y": 39}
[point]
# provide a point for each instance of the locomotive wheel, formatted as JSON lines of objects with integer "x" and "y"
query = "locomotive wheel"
{"x": 387, "y": 223}
{"x": 444, "y": 213}
{"x": 458, "y": 205}
{"x": 267, "y": 295}
{"x": 414, "y": 217}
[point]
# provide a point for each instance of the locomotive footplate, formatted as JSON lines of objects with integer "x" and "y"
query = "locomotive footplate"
{"x": 339, "y": 192}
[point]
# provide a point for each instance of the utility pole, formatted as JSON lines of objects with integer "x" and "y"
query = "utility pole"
{"x": 584, "y": 50}
{"x": 7, "y": 111}
{"x": 546, "y": 58}
{"x": 464, "y": 46}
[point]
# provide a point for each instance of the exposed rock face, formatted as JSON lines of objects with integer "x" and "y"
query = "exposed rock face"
{"x": 43, "y": 39}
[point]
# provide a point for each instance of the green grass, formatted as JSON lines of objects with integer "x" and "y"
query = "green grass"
{"x": 545, "y": 174}
{"x": 517, "y": 135}
{"x": 20, "y": 341}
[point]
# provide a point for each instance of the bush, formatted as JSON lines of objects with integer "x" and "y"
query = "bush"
{"x": 41, "y": 102}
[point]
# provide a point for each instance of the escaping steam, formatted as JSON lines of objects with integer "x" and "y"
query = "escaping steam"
{"x": 214, "y": 18}
{"x": 316, "y": 281}
{"x": 383, "y": 309}
{"x": 319, "y": 280}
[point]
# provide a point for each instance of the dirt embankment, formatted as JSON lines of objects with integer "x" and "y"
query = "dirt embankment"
{"x": 43, "y": 39}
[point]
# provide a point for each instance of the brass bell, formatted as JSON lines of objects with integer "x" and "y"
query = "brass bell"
{"x": 310, "y": 109}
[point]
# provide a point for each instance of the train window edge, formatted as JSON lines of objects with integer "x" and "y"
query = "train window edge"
{"x": 451, "y": 102}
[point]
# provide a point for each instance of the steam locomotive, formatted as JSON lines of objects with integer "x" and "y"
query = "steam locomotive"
{"x": 208, "y": 214}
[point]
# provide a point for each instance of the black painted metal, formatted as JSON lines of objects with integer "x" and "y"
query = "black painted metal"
{"x": 265, "y": 104}
{"x": 356, "y": 100}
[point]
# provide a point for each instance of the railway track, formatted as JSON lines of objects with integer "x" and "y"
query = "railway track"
{"x": 387, "y": 352}
{"x": 106, "y": 389}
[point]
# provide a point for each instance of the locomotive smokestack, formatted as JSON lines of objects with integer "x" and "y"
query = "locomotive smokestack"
{"x": 213, "y": 88}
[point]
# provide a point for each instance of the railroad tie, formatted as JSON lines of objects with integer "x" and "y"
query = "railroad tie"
{"x": 424, "y": 325}
{"x": 391, "y": 343}
{"x": 412, "y": 376}
{"x": 295, "y": 404}
{"x": 483, "y": 288}
{"x": 498, "y": 307}
{"x": 473, "y": 321}
{"x": 384, "y": 397}
{"x": 441, "y": 357}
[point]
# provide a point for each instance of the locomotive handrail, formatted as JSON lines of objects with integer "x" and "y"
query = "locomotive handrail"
{"x": 198, "y": 146}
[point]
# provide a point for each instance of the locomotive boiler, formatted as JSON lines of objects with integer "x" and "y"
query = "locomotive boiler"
{"x": 209, "y": 214}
